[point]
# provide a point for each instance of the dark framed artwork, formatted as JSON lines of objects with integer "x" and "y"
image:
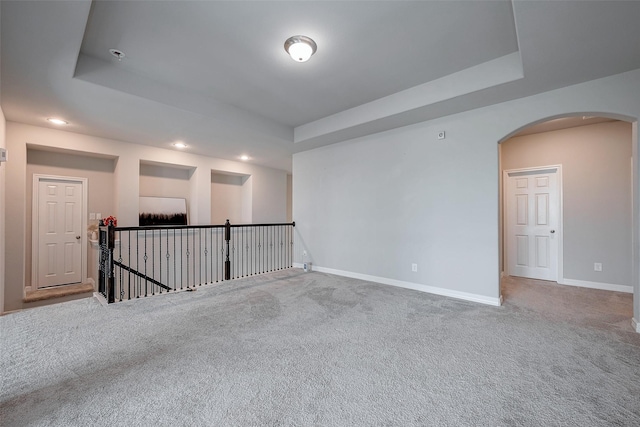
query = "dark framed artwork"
{"x": 162, "y": 211}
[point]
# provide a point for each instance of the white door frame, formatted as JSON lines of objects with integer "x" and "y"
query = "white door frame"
{"x": 34, "y": 224}
{"x": 560, "y": 229}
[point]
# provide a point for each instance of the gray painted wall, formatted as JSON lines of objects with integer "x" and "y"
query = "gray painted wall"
{"x": 289, "y": 198}
{"x": 227, "y": 201}
{"x": 3, "y": 168}
{"x": 596, "y": 173}
{"x": 165, "y": 181}
{"x": 374, "y": 205}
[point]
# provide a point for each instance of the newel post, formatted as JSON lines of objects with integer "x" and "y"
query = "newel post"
{"x": 105, "y": 277}
{"x": 227, "y": 262}
{"x": 111, "y": 280}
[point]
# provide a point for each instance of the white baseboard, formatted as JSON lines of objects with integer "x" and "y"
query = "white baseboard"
{"x": 635, "y": 324}
{"x": 408, "y": 285}
{"x": 597, "y": 285}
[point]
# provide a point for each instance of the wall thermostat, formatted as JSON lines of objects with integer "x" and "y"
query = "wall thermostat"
{"x": 3, "y": 154}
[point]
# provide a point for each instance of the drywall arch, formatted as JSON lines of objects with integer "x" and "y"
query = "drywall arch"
{"x": 616, "y": 116}
{"x": 533, "y": 119}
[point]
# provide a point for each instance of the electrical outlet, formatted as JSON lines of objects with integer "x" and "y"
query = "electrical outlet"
{"x": 92, "y": 215}
{"x": 98, "y": 215}
{"x": 414, "y": 267}
{"x": 597, "y": 266}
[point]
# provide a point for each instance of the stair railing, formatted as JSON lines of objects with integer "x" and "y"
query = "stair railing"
{"x": 137, "y": 262}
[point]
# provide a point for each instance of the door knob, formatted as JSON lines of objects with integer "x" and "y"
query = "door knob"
{"x": 78, "y": 237}
{"x": 552, "y": 231}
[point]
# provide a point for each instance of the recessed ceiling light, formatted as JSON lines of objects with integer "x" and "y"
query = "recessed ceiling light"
{"x": 300, "y": 48}
{"x": 244, "y": 157}
{"x": 57, "y": 121}
{"x": 180, "y": 144}
{"x": 117, "y": 53}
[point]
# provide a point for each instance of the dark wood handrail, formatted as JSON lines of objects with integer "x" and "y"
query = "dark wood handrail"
{"x": 183, "y": 227}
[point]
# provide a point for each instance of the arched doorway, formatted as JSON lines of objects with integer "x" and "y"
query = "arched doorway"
{"x": 590, "y": 243}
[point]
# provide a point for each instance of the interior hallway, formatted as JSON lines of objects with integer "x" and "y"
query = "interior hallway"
{"x": 601, "y": 309}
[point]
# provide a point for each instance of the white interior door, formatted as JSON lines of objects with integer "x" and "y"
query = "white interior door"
{"x": 59, "y": 213}
{"x": 532, "y": 233}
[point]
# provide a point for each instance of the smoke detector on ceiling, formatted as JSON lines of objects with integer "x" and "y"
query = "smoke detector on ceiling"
{"x": 117, "y": 53}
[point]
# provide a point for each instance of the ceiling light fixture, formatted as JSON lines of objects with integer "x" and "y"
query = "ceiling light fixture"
{"x": 180, "y": 144}
{"x": 57, "y": 121}
{"x": 117, "y": 53}
{"x": 300, "y": 48}
{"x": 244, "y": 157}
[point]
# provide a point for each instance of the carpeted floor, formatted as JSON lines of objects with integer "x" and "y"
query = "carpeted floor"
{"x": 298, "y": 349}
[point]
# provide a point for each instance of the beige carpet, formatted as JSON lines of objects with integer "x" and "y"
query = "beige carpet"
{"x": 295, "y": 349}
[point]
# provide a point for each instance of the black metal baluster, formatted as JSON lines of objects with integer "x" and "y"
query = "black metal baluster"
{"x": 270, "y": 256}
{"x": 234, "y": 273}
{"x": 280, "y": 247}
{"x": 188, "y": 256}
{"x": 206, "y": 252}
{"x": 227, "y": 262}
{"x": 168, "y": 258}
{"x": 110, "y": 284}
{"x": 195, "y": 254}
{"x": 129, "y": 263}
{"x": 153, "y": 261}
{"x": 138, "y": 283}
{"x": 120, "y": 261}
{"x": 290, "y": 246}
{"x": 210, "y": 260}
{"x": 181, "y": 258}
{"x": 160, "y": 257}
{"x": 259, "y": 254}
{"x": 146, "y": 283}
{"x": 217, "y": 273}
{"x": 253, "y": 252}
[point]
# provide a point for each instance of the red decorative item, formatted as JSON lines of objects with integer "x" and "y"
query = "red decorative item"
{"x": 110, "y": 220}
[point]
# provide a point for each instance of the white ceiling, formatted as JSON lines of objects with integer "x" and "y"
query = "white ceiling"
{"x": 215, "y": 74}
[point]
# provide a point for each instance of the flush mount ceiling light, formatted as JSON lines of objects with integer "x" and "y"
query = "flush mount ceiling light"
{"x": 117, "y": 53}
{"x": 244, "y": 157}
{"x": 180, "y": 144}
{"x": 57, "y": 121}
{"x": 300, "y": 48}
